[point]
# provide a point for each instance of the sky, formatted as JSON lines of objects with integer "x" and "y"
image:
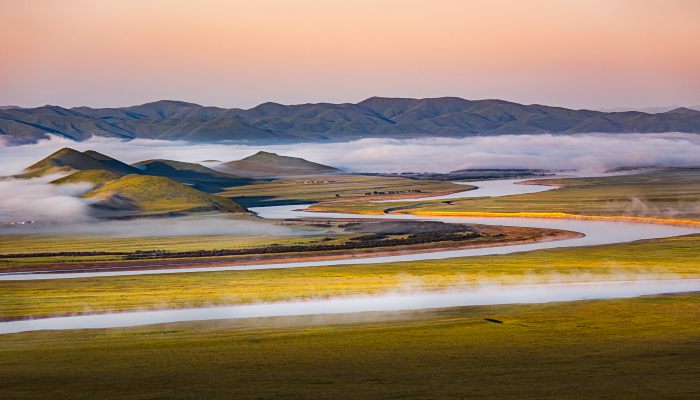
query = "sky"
{"x": 579, "y": 54}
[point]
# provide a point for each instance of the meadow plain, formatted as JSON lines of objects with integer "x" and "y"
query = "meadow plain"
{"x": 668, "y": 194}
{"x": 641, "y": 348}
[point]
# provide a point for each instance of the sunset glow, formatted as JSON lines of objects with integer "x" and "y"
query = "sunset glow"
{"x": 594, "y": 54}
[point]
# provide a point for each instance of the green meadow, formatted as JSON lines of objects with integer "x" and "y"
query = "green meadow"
{"x": 671, "y": 257}
{"x": 641, "y": 348}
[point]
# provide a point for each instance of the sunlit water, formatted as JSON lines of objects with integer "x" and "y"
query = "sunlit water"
{"x": 491, "y": 188}
{"x": 485, "y": 295}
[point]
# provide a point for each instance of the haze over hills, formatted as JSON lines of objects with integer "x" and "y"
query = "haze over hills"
{"x": 264, "y": 164}
{"x": 164, "y": 186}
{"x": 374, "y": 117}
{"x": 153, "y": 186}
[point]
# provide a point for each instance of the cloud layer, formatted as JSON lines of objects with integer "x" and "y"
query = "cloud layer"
{"x": 38, "y": 200}
{"x": 586, "y": 153}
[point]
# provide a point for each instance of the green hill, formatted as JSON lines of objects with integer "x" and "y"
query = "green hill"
{"x": 157, "y": 194}
{"x": 264, "y": 164}
{"x": 195, "y": 175}
{"x": 69, "y": 160}
{"x": 94, "y": 176}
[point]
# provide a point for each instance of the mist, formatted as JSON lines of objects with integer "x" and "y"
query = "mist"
{"x": 59, "y": 210}
{"x": 583, "y": 152}
{"x": 38, "y": 200}
{"x": 389, "y": 302}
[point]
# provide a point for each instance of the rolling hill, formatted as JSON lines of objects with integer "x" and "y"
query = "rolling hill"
{"x": 156, "y": 194}
{"x": 195, "y": 175}
{"x": 264, "y": 164}
{"x": 148, "y": 187}
{"x": 67, "y": 160}
{"x": 95, "y": 176}
{"x": 374, "y": 117}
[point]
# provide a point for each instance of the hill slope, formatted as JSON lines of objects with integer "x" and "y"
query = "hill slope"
{"x": 94, "y": 176}
{"x": 69, "y": 160}
{"x": 264, "y": 164}
{"x": 374, "y": 117}
{"x": 157, "y": 194}
{"x": 196, "y": 175}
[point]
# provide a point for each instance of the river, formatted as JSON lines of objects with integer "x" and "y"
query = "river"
{"x": 596, "y": 232}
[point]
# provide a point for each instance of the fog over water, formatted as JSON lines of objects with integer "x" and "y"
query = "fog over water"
{"x": 478, "y": 295}
{"x": 583, "y": 152}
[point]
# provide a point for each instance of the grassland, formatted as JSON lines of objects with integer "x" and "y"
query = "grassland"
{"x": 316, "y": 239}
{"x": 336, "y": 187}
{"x": 672, "y": 194}
{"x": 93, "y": 176}
{"x": 644, "y": 348}
{"x": 158, "y": 194}
{"x": 675, "y": 257}
{"x": 22, "y": 244}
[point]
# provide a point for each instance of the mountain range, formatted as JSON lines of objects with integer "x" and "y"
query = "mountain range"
{"x": 374, "y": 117}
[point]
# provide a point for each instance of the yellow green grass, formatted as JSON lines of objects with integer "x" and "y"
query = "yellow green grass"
{"x": 672, "y": 257}
{"x": 19, "y": 244}
{"x": 326, "y": 187}
{"x": 643, "y": 348}
{"x": 93, "y": 176}
{"x": 159, "y": 194}
{"x": 667, "y": 194}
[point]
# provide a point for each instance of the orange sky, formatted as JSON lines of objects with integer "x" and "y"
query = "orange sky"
{"x": 594, "y": 53}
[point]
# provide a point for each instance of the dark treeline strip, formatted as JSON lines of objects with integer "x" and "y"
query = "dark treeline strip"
{"x": 66, "y": 254}
{"x": 362, "y": 242}
{"x": 369, "y": 241}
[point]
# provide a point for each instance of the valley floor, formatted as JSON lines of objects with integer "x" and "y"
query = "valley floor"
{"x": 638, "y": 348}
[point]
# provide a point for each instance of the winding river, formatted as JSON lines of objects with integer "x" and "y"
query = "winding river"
{"x": 596, "y": 233}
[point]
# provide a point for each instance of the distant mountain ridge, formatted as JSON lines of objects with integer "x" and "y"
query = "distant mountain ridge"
{"x": 374, "y": 117}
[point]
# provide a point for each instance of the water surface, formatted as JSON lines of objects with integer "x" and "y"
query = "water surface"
{"x": 484, "y": 295}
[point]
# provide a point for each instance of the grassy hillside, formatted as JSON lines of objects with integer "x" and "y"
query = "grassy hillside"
{"x": 94, "y": 176}
{"x": 264, "y": 164}
{"x": 158, "y": 194}
{"x": 199, "y": 176}
{"x": 68, "y": 160}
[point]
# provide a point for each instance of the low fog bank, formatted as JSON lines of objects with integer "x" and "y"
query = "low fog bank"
{"x": 584, "y": 152}
{"x": 390, "y": 302}
{"x": 26, "y": 200}
{"x": 35, "y": 206}
{"x": 157, "y": 227}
